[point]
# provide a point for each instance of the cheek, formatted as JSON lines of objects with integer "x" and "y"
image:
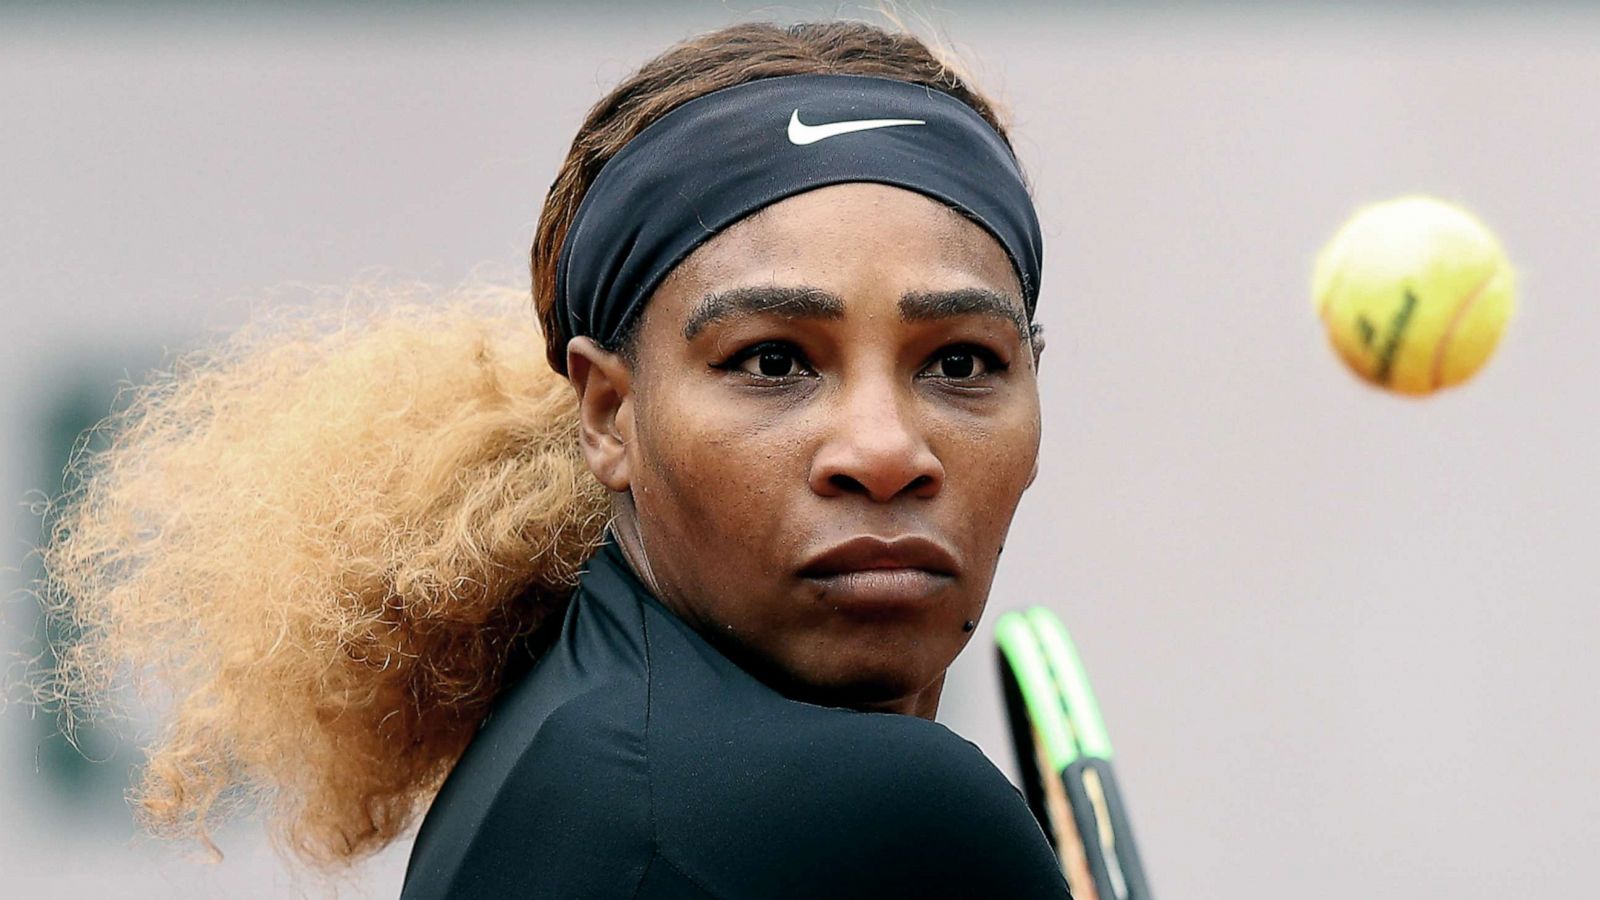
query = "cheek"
{"x": 988, "y": 464}
{"x": 995, "y": 447}
{"x": 675, "y": 466}
{"x": 708, "y": 466}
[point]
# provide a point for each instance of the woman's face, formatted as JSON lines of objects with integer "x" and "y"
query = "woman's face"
{"x": 830, "y": 416}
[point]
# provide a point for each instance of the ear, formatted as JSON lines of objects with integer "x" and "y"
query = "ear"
{"x": 1036, "y": 344}
{"x": 604, "y": 383}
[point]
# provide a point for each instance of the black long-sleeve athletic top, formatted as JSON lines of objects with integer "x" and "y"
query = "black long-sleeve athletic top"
{"x": 634, "y": 760}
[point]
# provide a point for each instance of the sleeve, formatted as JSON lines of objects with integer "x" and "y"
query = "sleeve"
{"x": 890, "y": 806}
{"x": 942, "y": 821}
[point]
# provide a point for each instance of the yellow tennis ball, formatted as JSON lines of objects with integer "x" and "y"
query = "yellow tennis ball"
{"x": 1414, "y": 292}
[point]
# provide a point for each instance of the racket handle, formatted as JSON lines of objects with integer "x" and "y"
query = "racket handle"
{"x": 1103, "y": 825}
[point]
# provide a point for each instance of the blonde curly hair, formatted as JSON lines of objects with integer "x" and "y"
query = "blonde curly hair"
{"x": 326, "y": 543}
{"x": 325, "y": 539}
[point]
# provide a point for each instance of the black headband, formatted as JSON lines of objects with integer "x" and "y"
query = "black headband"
{"x": 720, "y": 157}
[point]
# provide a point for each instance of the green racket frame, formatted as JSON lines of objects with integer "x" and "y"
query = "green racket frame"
{"x": 1047, "y": 694}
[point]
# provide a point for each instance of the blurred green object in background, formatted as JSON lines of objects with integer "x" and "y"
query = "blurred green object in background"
{"x": 87, "y": 780}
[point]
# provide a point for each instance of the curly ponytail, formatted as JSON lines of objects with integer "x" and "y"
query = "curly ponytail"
{"x": 325, "y": 542}
{"x": 326, "y": 539}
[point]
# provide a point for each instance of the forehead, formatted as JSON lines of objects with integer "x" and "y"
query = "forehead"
{"x": 852, "y": 239}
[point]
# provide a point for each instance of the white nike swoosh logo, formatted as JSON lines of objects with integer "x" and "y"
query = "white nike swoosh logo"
{"x": 801, "y": 134}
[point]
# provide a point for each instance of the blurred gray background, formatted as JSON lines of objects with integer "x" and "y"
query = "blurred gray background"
{"x": 1344, "y": 640}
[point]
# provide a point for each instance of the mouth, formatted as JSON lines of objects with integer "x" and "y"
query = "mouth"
{"x": 878, "y": 572}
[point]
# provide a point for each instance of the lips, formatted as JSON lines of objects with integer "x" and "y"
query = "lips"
{"x": 879, "y": 571}
{"x": 867, "y": 553}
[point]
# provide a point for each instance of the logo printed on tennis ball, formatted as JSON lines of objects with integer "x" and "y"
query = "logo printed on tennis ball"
{"x": 1414, "y": 293}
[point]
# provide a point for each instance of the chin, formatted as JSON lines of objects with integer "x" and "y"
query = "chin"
{"x": 862, "y": 687}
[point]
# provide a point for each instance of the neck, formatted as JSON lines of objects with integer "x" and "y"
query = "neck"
{"x": 625, "y": 528}
{"x": 923, "y": 704}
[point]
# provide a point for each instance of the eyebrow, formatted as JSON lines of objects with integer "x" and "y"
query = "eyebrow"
{"x": 789, "y": 302}
{"x": 803, "y": 302}
{"x": 926, "y": 305}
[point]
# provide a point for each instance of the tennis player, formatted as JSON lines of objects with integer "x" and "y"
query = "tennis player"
{"x": 787, "y": 276}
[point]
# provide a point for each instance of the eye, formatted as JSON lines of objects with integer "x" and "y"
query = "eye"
{"x": 771, "y": 359}
{"x": 962, "y": 362}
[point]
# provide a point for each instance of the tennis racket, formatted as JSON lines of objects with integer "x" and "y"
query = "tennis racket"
{"x": 1064, "y": 754}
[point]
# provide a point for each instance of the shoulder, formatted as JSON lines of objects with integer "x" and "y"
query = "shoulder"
{"x": 911, "y": 766}
{"x": 918, "y": 784}
{"x": 857, "y": 804}
{"x": 540, "y": 793}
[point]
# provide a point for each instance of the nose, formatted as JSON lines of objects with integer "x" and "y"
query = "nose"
{"x": 875, "y": 447}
